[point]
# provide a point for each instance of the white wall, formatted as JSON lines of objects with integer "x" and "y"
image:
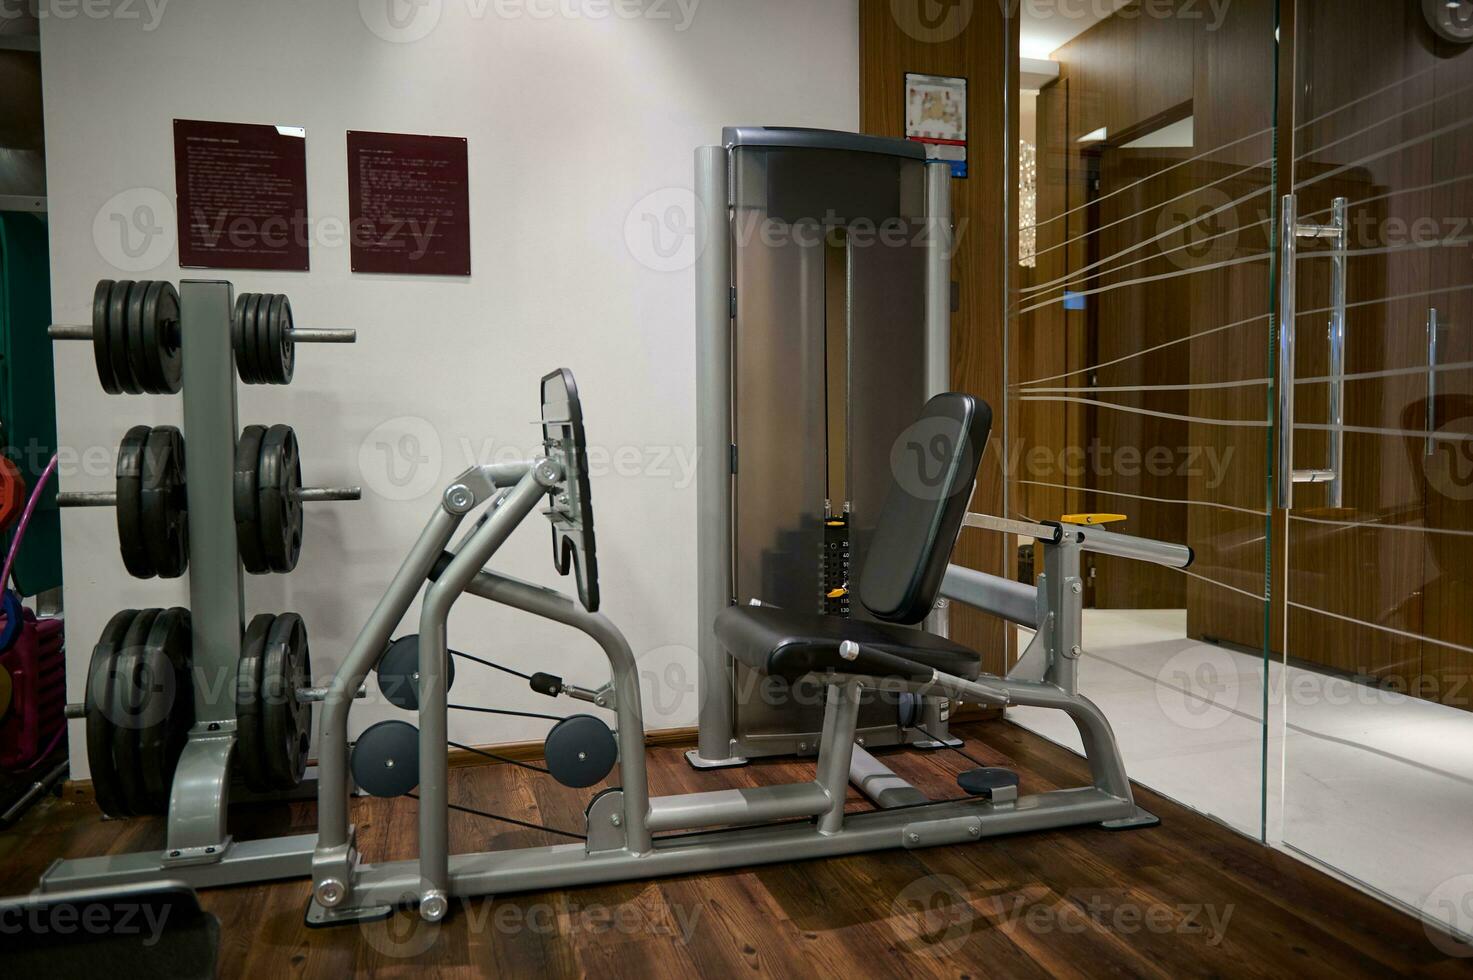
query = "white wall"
{"x": 580, "y": 129}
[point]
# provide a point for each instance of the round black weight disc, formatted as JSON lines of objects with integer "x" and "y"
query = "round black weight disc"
{"x": 285, "y": 721}
{"x": 161, "y": 338}
{"x": 165, "y": 513}
{"x": 132, "y": 538}
{"x": 117, "y": 336}
{"x": 267, "y": 352}
{"x": 247, "y": 503}
{"x": 287, "y": 356}
{"x": 398, "y": 673}
{"x": 138, "y": 355}
{"x": 130, "y": 701}
{"x": 280, "y": 512}
{"x": 250, "y": 751}
{"x": 249, "y": 362}
{"x": 101, "y": 352}
{"x": 98, "y": 703}
{"x": 385, "y": 760}
{"x": 982, "y": 782}
{"x": 237, "y": 337}
{"x": 170, "y": 640}
{"x": 580, "y": 751}
{"x": 158, "y": 687}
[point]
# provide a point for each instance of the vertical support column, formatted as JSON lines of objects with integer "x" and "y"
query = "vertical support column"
{"x": 938, "y": 277}
{"x": 714, "y": 459}
{"x": 836, "y": 751}
{"x": 1339, "y": 220}
{"x": 1064, "y": 590}
{"x": 934, "y": 716}
{"x": 200, "y": 794}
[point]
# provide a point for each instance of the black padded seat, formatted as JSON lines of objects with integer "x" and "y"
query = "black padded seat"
{"x": 789, "y": 644}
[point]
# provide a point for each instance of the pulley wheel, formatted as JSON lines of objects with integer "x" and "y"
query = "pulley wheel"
{"x": 286, "y": 723}
{"x": 385, "y": 760}
{"x": 98, "y": 706}
{"x": 165, "y": 508}
{"x": 580, "y": 751}
{"x": 250, "y": 747}
{"x": 398, "y": 673}
{"x": 132, "y": 536}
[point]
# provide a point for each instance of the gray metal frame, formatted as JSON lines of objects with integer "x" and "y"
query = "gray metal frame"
{"x": 772, "y": 823}
{"x": 720, "y": 742}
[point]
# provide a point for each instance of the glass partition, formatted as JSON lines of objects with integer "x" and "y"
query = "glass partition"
{"x": 1378, "y": 638}
{"x": 1139, "y": 375}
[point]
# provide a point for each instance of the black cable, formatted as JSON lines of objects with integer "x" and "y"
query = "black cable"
{"x": 512, "y": 820}
{"x": 503, "y": 711}
{"x": 955, "y": 748}
{"x": 498, "y": 758}
{"x": 487, "y": 663}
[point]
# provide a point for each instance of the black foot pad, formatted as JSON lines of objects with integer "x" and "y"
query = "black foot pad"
{"x": 991, "y": 782}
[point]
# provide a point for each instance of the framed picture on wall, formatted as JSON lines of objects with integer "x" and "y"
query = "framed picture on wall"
{"x": 936, "y": 115}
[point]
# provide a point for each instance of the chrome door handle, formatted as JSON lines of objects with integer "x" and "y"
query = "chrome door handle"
{"x": 1337, "y": 232}
{"x": 1432, "y": 326}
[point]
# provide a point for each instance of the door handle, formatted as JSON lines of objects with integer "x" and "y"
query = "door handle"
{"x": 1432, "y": 327}
{"x": 1337, "y": 233}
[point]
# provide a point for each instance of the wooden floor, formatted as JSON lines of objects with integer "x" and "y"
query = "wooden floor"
{"x": 1188, "y": 898}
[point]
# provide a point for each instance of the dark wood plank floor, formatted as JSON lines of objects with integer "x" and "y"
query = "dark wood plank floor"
{"x": 1189, "y": 898}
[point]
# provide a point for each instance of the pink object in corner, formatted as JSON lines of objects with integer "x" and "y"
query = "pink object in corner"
{"x": 37, "y": 667}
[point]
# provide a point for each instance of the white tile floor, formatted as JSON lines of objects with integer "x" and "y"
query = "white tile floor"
{"x": 1372, "y": 784}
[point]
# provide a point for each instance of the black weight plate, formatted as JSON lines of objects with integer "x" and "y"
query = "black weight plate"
{"x": 145, "y": 301}
{"x": 101, "y": 351}
{"x": 237, "y": 337}
{"x": 385, "y": 760}
{"x": 580, "y": 751}
{"x": 280, "y": 512}
{"x": 138, "y": 355}
{"x": 161, "y": 338}
{"x": 130, "y": 701}
{"x": 247, "y": 500}
{"x": 161, "y": 693}
{"x": 249, "y": 749}
{"x": 171, "y": 635}
{"x": 250, "y": 366}
{"x": 117, "y": 336}
{"x": 398, "y": 673}
{"x": 165, "y": 513}
{"x": 268, "y": 358}
{"x": 98, "y": 704}
{"x": 287, "y": 358}
{"x": 132, "y": 538}
{"x": 285, "y": 721}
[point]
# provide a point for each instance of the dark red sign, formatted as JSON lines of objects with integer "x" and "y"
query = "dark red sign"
{"x": 409, "y": 204}
{"x": 242, "y": 193}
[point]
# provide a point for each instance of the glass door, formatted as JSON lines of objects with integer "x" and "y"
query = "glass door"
{"x": 1139, "y": 372}
{"x": 1374, "y": 464}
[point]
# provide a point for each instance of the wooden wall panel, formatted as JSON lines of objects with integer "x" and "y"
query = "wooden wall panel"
{"x": 899, "y": 36}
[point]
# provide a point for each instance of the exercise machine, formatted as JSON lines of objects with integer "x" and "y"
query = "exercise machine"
{"x": 823, "y": 323}
{"x": 628, "y": 834}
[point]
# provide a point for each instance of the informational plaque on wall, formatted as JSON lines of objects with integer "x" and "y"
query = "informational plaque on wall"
{"x": 242, "y": 193}
{"x": 409, "y": 204}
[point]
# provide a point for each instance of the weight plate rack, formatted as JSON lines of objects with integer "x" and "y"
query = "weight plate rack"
{"x": 185, "y": 706}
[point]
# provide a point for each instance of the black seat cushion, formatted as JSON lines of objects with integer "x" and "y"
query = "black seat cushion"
{"x": 790, "y": 644}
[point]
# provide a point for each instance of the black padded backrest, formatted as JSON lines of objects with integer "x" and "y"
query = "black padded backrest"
{"x": 933, "y": 466}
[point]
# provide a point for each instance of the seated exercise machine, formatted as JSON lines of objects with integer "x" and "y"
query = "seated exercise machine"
{"x": 628, "y": 833}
